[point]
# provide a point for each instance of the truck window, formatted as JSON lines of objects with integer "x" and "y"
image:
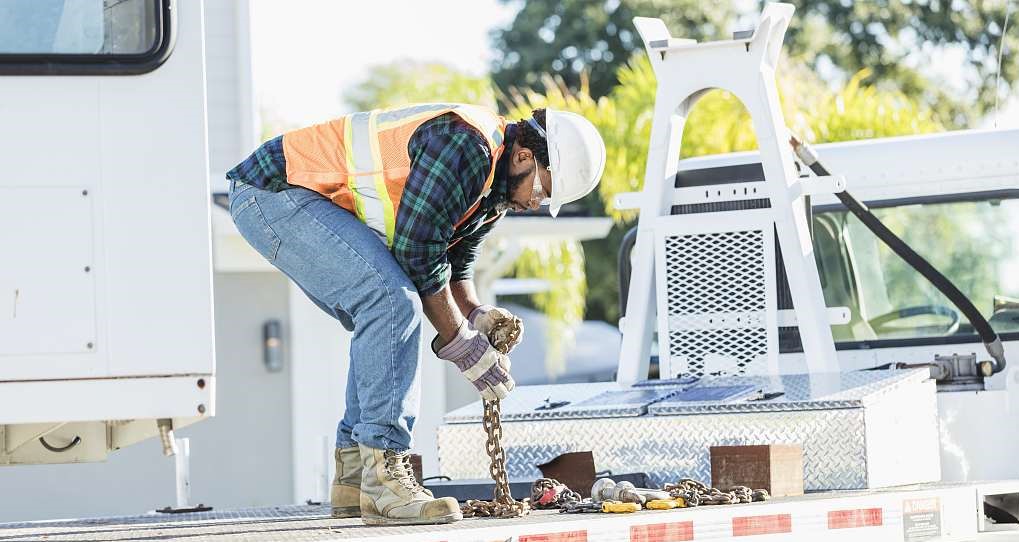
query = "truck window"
{"x": 974, "y": 243}
{"x": 83, "y": 37}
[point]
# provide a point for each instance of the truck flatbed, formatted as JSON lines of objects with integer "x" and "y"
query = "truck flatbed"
{"x": 928, "y": 511}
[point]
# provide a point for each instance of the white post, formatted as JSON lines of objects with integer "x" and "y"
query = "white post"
{"x": 182, "y": 464}
{"x": 328, "y": 447}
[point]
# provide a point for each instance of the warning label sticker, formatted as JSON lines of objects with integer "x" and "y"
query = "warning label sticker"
{"x": 921, "y": 519}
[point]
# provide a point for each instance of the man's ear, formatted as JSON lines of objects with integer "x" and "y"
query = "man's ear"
{"x": 523, "y": 155}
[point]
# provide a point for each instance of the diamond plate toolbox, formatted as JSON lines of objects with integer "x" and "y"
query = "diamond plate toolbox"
{"x": 833, "y": 417}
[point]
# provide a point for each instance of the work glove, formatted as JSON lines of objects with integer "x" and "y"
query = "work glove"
{"x": 504, "y": 331}
{"x": 481, "y": 364}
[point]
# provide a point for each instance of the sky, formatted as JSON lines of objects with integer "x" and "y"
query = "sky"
{"x": 306, "y": 53}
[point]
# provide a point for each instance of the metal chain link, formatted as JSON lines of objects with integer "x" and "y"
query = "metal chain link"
{"x": 504, "y": 505}
{"x": 503, "y": 334}
{"x": 695, "y": 493}
{"x": 549, "y": 493}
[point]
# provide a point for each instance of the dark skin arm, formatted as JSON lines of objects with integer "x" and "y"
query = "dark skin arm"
{"x": 442, "y": 312}
{"x": 446, "y": 309}
{"x": 465, "y": 295}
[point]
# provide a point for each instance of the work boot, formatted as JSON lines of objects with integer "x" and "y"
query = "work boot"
{"x": 346, "y": 491}
{"x": 390, "y": 495}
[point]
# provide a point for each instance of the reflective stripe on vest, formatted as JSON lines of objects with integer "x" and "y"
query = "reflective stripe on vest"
{"x": 368, "y": 184}
{"x": 361, "y": 161}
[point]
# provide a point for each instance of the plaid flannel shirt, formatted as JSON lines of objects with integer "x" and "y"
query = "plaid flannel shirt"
{"x": 450, "y": 161}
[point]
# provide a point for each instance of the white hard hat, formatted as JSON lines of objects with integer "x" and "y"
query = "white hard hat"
{"x": 576, "y": 157}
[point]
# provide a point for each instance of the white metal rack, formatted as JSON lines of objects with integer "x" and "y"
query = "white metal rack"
{"x": 710, "y": 276}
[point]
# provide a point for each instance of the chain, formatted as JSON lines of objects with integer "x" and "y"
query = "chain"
{"x": 504, "y": 506}
{"x": 549, "y": 493}
{"x": 504, "y": 332}
{"x": 696, "y": 493}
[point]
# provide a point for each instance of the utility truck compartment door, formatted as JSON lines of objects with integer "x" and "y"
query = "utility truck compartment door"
{"x": 47, "y": 287}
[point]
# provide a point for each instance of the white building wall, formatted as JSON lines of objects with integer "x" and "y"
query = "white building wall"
{"x": 233, "y": 120}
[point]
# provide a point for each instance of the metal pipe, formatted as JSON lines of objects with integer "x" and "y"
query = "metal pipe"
{"x": 624, "y": 267}
{"x": 165, "y": 426}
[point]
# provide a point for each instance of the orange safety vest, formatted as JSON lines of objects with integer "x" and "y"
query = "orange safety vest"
{"x": 361, "y": 162}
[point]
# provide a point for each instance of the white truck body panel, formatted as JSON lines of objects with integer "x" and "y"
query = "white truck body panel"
{"x": 106, "y": 220}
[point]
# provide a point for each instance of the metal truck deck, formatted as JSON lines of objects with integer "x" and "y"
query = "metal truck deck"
{"x": 912, "y": 513}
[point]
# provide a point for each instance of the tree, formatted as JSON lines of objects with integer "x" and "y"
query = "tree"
{"x": 571, "y": 37}
{"x": 405, "y": 81}
{"x": 896, "y": 39}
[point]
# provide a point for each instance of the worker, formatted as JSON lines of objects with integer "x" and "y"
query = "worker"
{"x": 379, "y": 217}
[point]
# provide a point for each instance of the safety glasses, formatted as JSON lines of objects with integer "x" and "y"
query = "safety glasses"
{"x": 537, "y": 191}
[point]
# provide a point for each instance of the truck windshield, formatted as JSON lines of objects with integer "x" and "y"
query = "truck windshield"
{"x": 974, "y": 243}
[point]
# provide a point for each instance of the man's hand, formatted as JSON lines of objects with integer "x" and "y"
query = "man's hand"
{"x": 504, "y": 331}
{"x": 481, "y": 364}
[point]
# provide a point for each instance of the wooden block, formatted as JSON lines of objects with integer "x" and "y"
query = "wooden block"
{"x": 775, "y": 467}
{"x": 575, "y": 469}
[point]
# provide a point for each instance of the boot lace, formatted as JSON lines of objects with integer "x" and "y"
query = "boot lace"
{"x": 399, "y": 468}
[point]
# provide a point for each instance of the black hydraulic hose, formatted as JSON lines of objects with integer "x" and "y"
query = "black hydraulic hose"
{"x": 945, "y": 286}
{"x": 625, "y": 247}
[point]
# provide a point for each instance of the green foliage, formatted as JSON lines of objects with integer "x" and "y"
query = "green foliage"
{"x": 271, "y": 125}
{"x": 561, "y": 266}
{"x": 719, "y": 123}
{"x": 896, "y": 39}
{"x": 404, "y": 82}
{"x": 574, "y": 38}
{"x": 864, "y": 112}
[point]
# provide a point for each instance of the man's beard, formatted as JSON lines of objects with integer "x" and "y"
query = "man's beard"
{"x": 512, "y": 183}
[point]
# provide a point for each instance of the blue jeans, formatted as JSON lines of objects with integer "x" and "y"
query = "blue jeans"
{"x": 346, "y": 269}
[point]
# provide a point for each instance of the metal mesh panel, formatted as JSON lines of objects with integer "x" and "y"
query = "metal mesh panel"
{"x": 788, "y": 337}
{"x": 716, "y": 300}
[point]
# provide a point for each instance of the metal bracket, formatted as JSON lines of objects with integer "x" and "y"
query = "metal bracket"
{"x": 815, "y": 186}
{"x": 836, "y": 316}
{"x": 671, "y": 43}
{"x": 22, "y": 434}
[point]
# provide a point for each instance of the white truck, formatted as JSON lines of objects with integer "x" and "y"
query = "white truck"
{"x": 106, "y": 336}
{"x": 108, "y": 339}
